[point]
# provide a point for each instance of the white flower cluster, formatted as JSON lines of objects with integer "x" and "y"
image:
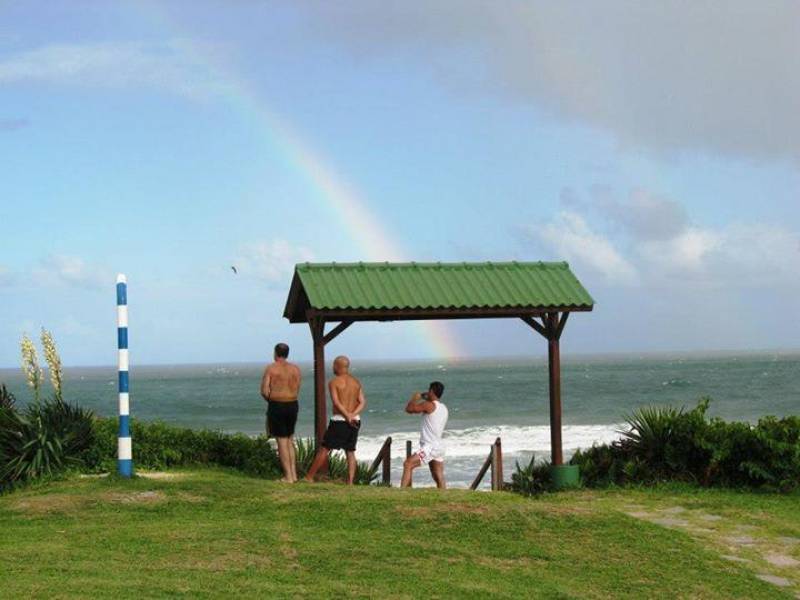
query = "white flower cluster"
{"x": 53, "y": 361}
{"x": 30, "y": 366}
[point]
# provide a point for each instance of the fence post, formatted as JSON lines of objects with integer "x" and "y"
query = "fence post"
{"x": 124, "y": 447}
{"x": 498, "y": 467}
{"x": 408, "y": 455}
{"x": 387, "y": 458}
{"x": 493, "y": 454}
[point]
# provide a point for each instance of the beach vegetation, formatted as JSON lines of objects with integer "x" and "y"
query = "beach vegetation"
{"x": 54, "y": 367}
{"x": 532, "y": 478}
{"x": 42, "y": 440}
{"x": 7, "y": 399}
{"x": 669, "y": 444}
{"x": 158, "y": 446}
{"x": 30, "y": 366}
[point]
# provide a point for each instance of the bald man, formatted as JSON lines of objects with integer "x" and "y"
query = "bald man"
{"x": 348, "y": 401}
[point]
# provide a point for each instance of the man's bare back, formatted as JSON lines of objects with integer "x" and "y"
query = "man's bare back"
{"x": 347, "y": 390}
{"x": 281, "y": 382}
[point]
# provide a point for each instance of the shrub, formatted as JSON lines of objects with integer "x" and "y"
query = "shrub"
{"x": 44, "y": 440}
{"x": 663, "y": 444}
{"x": 531, "y": 479}
{"x": 157, "y": 445}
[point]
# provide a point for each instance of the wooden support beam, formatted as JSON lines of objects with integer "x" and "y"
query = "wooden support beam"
{"x": 535, "y": 324}
{"x": 331, "y": 335}
{"x": 554, "y": 364}
{"x": 561, "y": 324}
{"x": 317, "y": 326}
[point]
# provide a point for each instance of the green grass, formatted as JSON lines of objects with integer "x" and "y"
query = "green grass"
{"x": 208, "y": 533}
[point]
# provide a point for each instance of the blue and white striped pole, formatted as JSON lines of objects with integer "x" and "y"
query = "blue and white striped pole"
{"x": 124, "y": 450}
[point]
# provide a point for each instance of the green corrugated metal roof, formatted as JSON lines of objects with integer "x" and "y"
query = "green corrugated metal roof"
{"x": 408, "y": 286}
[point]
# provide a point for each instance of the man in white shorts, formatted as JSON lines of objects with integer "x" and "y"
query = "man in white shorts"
{"x": 431, "y": 447}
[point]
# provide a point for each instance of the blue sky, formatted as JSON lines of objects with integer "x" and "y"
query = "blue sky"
{"x": 658, "y": 154}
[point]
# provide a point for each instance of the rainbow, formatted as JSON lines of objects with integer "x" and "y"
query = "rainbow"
{"x": 337, "y": 196}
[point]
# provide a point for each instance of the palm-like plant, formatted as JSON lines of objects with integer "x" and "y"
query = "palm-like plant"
{"x": 650, "y": 430}
{"x": 42, "y": 441}
{"x": 7, "y": 399}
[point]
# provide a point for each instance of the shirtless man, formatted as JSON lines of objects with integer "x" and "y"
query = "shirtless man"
{"x": 280, "y": 386}
{"x": 348, "y": 402}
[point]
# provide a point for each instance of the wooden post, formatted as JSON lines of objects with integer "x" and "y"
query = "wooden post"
{"x": 554, "y": 363}
{"x": 408, "y": 455}
{"x": 317, "y": 326}
{"x": 387, "y": 462}
{"x": 493, "y": 456}
{"x": 485, "y": 467}
{"x": 498, "y": 450}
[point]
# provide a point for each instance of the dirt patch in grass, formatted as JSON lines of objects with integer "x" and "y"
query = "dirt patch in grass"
{"x": 191, "y": 498}
{"x": 52, "y": 503}
{"x": 160, "y": 475}
{"x": 146, "y": 497}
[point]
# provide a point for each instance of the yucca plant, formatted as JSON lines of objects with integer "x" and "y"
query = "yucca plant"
{"x": 531, "y": 479}
{"x": 306, "y": 450}
{"x": 650, "y": 429}
{"x": 45, "y": 439}
{"x": 27, "y": 449}
{"x": 7, "y": 399}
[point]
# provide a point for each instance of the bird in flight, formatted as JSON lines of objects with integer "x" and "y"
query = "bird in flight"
{"x": 235, "y": 270}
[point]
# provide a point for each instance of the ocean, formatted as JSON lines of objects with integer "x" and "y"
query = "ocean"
{"x": 488, "y": 398}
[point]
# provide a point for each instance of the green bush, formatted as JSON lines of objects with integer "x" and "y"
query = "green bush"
{"x": 157, "y": 445}
{"x": 531, "y": 479}
{"x": 161, "y": 446}
{"x": 43, "y": 440}
{"x": 668, "y": 444}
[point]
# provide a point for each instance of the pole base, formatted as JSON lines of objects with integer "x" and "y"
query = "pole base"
{"x": 125, "y": 468}
{"x": 565, "y": 476}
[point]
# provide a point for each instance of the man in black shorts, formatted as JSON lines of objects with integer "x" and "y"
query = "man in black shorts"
{"x": 280, "y": 386}
{"x": 348, "y": 402}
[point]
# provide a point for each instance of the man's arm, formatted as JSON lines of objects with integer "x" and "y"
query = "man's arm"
{"x": 361, "y": 403}
{"x": 419, "y": 405}
{"x": 337, "y": 404}
{"x": 266, "y": 381}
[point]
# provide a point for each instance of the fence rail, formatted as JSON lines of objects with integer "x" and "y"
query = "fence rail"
{"x": 383, "y": 458}
{"x": 494, "y": 462}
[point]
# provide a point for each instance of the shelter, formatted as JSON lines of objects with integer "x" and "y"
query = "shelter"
{"x": 540, "y": 294}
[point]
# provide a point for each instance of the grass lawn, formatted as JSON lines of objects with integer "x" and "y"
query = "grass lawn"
{"x": 208, "y": 533}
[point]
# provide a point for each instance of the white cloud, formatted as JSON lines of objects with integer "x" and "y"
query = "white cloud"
{"x": 685, "y": 253}
{"x": 668, "y": 75}
{"x": 166, "y": 66}
{"x": 652, "y": 242}
{"x": 570, "y": 238}
{"x": 271, "y": 261}
{"x": 60, "y": 269}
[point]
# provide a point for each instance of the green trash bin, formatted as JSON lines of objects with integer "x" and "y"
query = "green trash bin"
{"x": 565, "y": 476}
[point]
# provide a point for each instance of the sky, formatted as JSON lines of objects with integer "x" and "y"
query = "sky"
{"x": 653, "y": 146}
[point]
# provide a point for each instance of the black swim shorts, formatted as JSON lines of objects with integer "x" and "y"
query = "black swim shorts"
{"x": 341, "y": 435}
{"x": 281, "y": 418}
